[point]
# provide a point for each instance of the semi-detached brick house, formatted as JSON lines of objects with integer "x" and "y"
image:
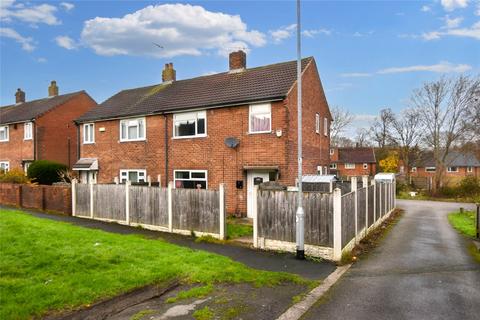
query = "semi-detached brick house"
{"x": 352, "y": 162}
{"x": 238, "y": 128}
{"x": 41, "y": 129}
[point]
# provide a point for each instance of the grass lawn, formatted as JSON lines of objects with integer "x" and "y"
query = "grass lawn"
{"x": 49, "y": 266}
{"x": 465, "y": 223}
{"x": 236, "y": 229}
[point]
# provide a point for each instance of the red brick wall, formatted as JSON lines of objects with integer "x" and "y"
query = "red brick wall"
{"x": 210, "y": 153}
{"x": 358, "y": 171}
{"x": 57, "y": 133}
{"x": 449, "y": 177}
{"x": 50, "y": 198}
{"x": 16, "y": 149}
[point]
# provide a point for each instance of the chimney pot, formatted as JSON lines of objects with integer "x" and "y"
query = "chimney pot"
{"x": 237, "y": 60}
{"x": 169, "y": 74}
{"x": 19, "y": 96}
{"x": 53, "y": 89}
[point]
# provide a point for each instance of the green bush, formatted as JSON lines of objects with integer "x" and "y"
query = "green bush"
{"x": 14, "y": 176}
{"x": 45, "y": 171}
{"x": 448, "y": 192}
{"x": 401, "y": 187}
{"x": 469, "y": 186}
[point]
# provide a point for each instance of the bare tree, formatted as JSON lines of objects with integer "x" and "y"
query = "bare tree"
{"x": 407, "y": 132}
{"x": 445, "y": 112}
{"x": 382, "y": 127}
{"x": 361, "y": 140}
{"x": 344, "y": 142}
{"x": 341, "y": 119}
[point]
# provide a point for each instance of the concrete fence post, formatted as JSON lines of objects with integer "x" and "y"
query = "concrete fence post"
{"x": 149, "y": 181}
{"x": 90, "y": 184}
{"x": 374, "y": 201}
{"x": 355, "y": 196}
{"x": 330, "y": 189}
{"x": 255, "y": 217}
{"x": 222, "y": 211}
{"x": 337, "y": 224}
{"x": 74, "y": 197}
{"x": 127, "y": 202}
{"x": 478, "y": 221}
{"x": 159, "y": 179}
{"x": 170, "y": 206}
{"x": 394, "y": 192}
{"x": 365, "y": 185}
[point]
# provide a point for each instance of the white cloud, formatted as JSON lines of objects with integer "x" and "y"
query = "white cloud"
{"x": 363, "y": 34}
{"x": 442, "y": 67}
{"x": 453, "y": 22}
{"x": 66, "y": 42}
{"x": 477, "y": 11}
{"x": 356, "y": 75}
{"x": 450, "y": 5}
{"x": 67, "y": 6}
{"x": 283, "y": 33}
{"x": 313, "y": 32}
{"x": 472, "y": 32}
{"x": 181, "y": 29}
{"x": 26, "y": 42}
{"x": 34, "y": 14}
{"x": 41, "y": 60}
{"x": 425, "y": 9}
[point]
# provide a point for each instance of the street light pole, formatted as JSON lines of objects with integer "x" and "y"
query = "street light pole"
{"x": 300, "y": 215}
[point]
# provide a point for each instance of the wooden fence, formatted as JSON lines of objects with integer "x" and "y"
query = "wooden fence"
{"x": 334, "y": 222}
{"x": 166, "y": 209}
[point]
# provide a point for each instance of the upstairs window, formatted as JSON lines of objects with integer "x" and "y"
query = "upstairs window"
{"x": 469, "y": 169}
{"x": 4, "y": 133}
{"x": 132, "y": 129}
{"x": 260, "y": 118}
{"x": 27, "y": 131}
{"x": 325, "y": 127}
{"x": 332, "y": 151}
{"x": 191, "y": 179}
{"x": 414, "y": 169}
{"x": 190, "y": 124}
{"x": 349, "y": 165}
{"x": 134, "y": 176}
{"x": 333, "y": 166}
{"x": 430, "y": 169}
{"x": 365, "y": 166}
{"x": 452, "y": 169}
{"x": 88, "y": 133}
{"x": 317, "y": 123}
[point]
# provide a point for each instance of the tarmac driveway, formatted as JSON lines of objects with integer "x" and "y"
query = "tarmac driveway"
{"x": 422, "y": 270}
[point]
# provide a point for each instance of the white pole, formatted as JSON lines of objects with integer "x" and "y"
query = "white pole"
{"x": 170, "y": 207}
{"x": 374, "y": 201}
{"x": 355, "y": 195}
{"x": 300, "y": 213}
{"x": 365, "y": 185}
{"x": 255, "y": 217}
{"x": 127, "y": 202}
{"x": 74, "y": 197}
{"x": 159, "y": 179}
{"x": 91, "y": 199}
{"x": 222, "y": 211}
{"x": 337, "y": 224}
{"x": 149, "y": 181}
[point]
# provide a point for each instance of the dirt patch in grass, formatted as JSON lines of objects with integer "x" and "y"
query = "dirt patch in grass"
{"x": 373, "y": 239}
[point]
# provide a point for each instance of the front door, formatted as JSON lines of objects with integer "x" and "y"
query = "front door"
{"x": 254, "y": 178}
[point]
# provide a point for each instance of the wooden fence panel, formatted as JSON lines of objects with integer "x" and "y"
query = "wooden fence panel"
{"x": 109, "y": 201}
{"x": 377, "y": 200}
{"x": 361, "y": 213}
{"x": 197, "y": 210}
{"x": 148, "y": 205}
{"x": 348, "y": 218}
{"x": 371, "y": 190}
{"x": 82, "y": 200}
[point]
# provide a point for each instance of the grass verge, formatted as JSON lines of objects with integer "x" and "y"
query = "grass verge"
{"x": 464, "y": 222}
{"x": 50, "y": 266}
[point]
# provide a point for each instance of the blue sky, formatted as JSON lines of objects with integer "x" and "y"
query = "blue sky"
{"x": 370, "y": 54}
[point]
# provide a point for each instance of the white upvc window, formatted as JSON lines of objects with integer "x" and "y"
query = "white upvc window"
{"x": 365, "y": 166}
{"x": 452, "y": 169}
{"x": 4, "y": 136}
{"x": 469, "y": 169}
{"x": 190, "y": 124}
{"x": 191, "y": 179}
{"x": 325, "y": 127}
{"x": 4, "y": 166}
{"x": 26, "y": 165}
{"x": 88, "y": 133}
{"x": 430, "y": 169}
{"x": 317, "y": 123}
{"x": 133, "y": 175}
{"x": 28, "y": 131}
{"x": 332, "y": 151}
{"x": 349, "y": 165}
{"x": 260, "y": 118}
{"x": 333, "y": 166}
{"x": 132, "y": 129}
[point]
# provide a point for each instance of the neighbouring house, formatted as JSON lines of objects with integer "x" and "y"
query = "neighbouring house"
{"x": 237, "y": 127}
{"x": 41, "y": 129}
{"x": 352, "y": 162}
{"x": 458, "y": 165}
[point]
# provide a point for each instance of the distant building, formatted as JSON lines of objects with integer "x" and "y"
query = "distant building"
{"x": 352, "y": 162}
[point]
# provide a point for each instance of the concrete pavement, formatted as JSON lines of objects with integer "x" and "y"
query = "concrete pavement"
{"x": 422, "y": 270}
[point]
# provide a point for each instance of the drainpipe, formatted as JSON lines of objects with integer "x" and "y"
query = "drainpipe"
{"x": 34, "y": 140}
{"x": 78, "y": 140}
{"x": 166, "y": 149}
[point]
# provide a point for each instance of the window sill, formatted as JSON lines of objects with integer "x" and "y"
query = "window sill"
{"x": 133, "y": 140}
{"x": 89, "y": 143}
{"x": 29, "y": 139}
{"x": 260, "y": 132}
{"x": 4, "y": 140}
{"x": 190, "y": 137}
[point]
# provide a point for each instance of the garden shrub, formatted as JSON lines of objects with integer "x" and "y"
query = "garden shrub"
{"x": 448, "y": 192}
{"x": 14, "y": 176}
{"x": 45, "y": 171}
{"x": 469, "y": 186}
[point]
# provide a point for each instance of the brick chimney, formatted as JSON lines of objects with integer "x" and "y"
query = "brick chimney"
{"x": 53, "y": 89}
{"x": 169, "y": 74}
{"x": 238, "y": 60}
{"x": 19, "y": 96}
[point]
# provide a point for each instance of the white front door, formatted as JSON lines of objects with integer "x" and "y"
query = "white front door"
{"x": 254, "y": 178}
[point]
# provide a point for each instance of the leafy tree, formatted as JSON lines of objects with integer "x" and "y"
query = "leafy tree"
{"x": 45, "y": 171}
{"x": 390, "y": 163}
